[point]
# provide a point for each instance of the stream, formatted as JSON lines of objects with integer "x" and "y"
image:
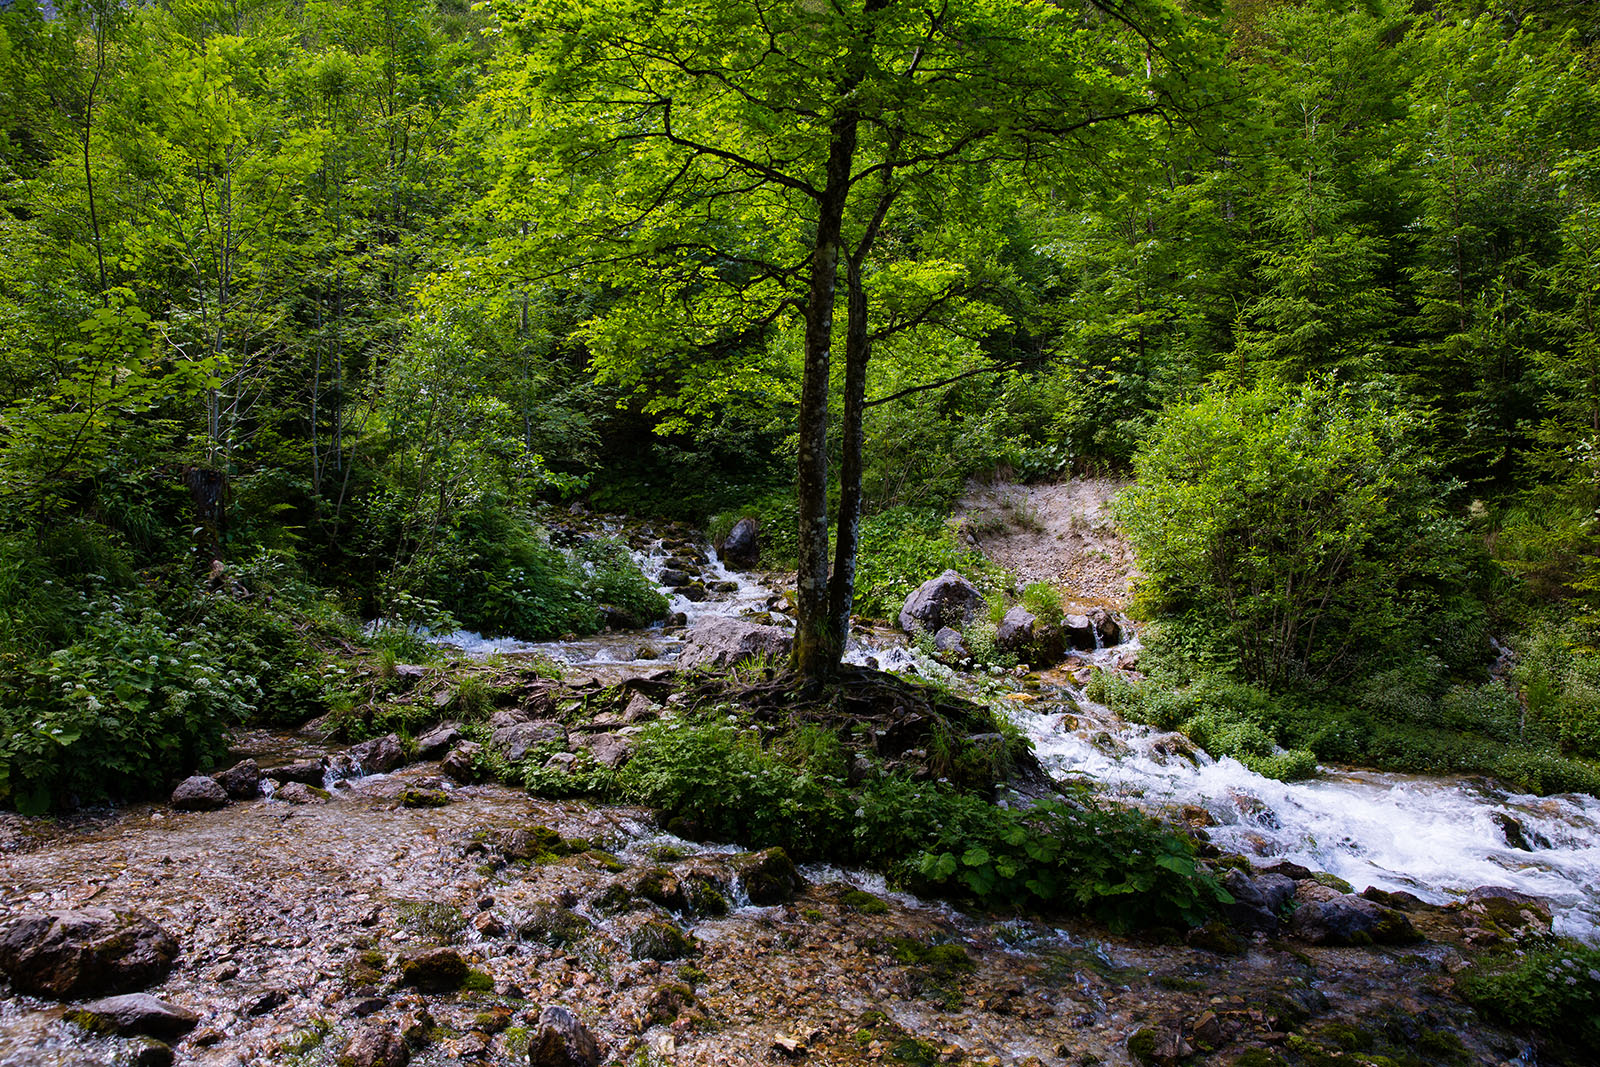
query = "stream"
{"x": 1435, "y": 837}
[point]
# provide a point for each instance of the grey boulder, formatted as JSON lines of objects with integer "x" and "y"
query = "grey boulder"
{"x": 948, "y": 600}
{"x": 199, "y": 793}
{"x": 86, "y": 952}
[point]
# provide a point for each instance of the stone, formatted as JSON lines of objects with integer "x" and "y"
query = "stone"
{"x": 136, "y": 1013}
{"x": 1078, "y": 632}
{"x": 649, "y": 938}
{"x": 1514, "y": 912}
{"x": 1026, "y": 637}
{"x": 379, "y": 755}
{"x": 437, "y": 741}
{"x": 517, "y": 740}
{"x": 721, "y": 641}
{"x": 768, "y": 876}
{"x": 947, "y": 600}
{"x": 948, "y": 642}
{"x": 434, "y": 970}
{"x": 640, "y": 709}
{"x": 242, "y": 781}
{"x": 376, "y": 1046}
{"x": 1258, "y": 901}
{"x": 300, "y": 793}
{"x": 307, "y": 772}
{"x": 407, "y": 675}
{"x": 742, "y": 547}
{"x": 1107, "y": 626}
{"x": 266, "y": 1002}
{"x": 1325, "y": 916}
{"x": 461, "y": 762}
{"x": 694, "y": 592}
{"x": 86, "y": 952}
{"x": 561, "y": 1040}
{"x": 508, "y": 717}
{"x": 149, "y": 1052}
{"x": 1517, "y": 835}
{"x": 199, "y": 793}
{"x": 672, "y": 578}
{"x": 609, "y": 750}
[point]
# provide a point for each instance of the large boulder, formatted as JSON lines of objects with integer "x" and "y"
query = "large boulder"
{"x": 562, "y": 1041}
{"x": 306, "y": 772}
{"x": 461, "y": 763}
{"x": 379, "y": 755}
{"x": 199, "y": 793}
{"x": 742, "y": 547}
{"x": 84, "y": 953}
{"x": 720, "y": 641}
{"x": 242, "y": 781}
{"x": 1259, "y": 901}
{"x": 768, "y": 876}
{"x": 437, "y": 741}
{"x": 1325, "y": 916}
{"x": 948, "y": 600}
{"x": 1028, "y": 638}
{"x": 518, "y": 739}
{"x": 136, "y": 1013}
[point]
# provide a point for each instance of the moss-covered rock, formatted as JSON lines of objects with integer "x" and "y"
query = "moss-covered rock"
{"x": 768, "y": 876}
{"x": 435, "y": 970}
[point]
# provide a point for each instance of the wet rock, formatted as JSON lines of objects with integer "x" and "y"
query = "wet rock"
{"x": 434, "y": 970}
{"x": 379, "y": 755}
{"x": 562, "y": 1041}
{"x": 437, "y": 741}
{"x": 694, "y": 592}
{"x": 742, "y": 547}
{"x": 199, "y": 793}
{"x": 517, "y": 740}
{"x": 552, "y": 924}
{"x": 424, "y": 797}
{"x": 948, "y": 642}
{"x": 672, "y": 578}
{"x": 489, "y": 925}
{"x": 948, "y": 600}
{"x": 1507, "y": 911}
{"x": 306, "y": 772}
{"x": 461, "y": 762}
{"x": 376, "y": 1046}
{"x": 613, "y": 617}
{"x": 136, "y": 1013}
{"x": 649, "y": 938}
{"x": 1517, "y": 835}
{"x": 768, "y": 876}
{"x": 267, "y": 1001}
{"x": 1258, "y": 901}
{"x": 1024, "y": 636}
{"x": 1324, "y": 916}
{"x": 1159, "y": 1046}
{"x": 721, "y": 642}
{"x": 87, "y": 952}
{"x": 609, "y": 750}
{"x": 685, "y": 892}
{"x": 242, "y": 781}
{"x": 1078, "y": 632}
{"x": 300, "y": 793}
{"x": 361, "y": 1007}
{"x": 149, "y": 1052}
{"x": 1107, "y": 626}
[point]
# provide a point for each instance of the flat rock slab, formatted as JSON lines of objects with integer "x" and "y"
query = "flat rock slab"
{"x": 137, "y": 1013}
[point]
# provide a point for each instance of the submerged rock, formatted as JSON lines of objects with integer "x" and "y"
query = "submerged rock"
{"x": 721, "y": 642}
{"x": 70, "y": 954}
{"x": 649, "y": 938}
{"x": 948, "y": 600}
{"x": 136, "y": 1013}
{"x": 199, "y": 793}
{"x": 300, "y": 793}
{"x": 434, "y": 970}
{"x": 562, "y": 1041}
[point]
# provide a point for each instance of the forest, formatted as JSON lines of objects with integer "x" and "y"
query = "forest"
{"x": 326, "y": 323}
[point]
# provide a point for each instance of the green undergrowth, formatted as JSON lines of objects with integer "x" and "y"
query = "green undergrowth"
{"x": 1552, "y": 987}
{"x": 719, "y": 773}
{"x": 1413, "y": 719}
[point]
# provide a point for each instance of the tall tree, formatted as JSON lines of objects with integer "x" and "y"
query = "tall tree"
{"x": 731, "y": 166}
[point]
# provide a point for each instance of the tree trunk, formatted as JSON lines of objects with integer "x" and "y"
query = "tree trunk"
{"x": 857, "y": 345}
{"x": 816, "y": 654}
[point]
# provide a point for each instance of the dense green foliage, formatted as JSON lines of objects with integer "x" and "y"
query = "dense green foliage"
{"x": 1112, "y": 863}
{"x": 1554, "y": 988}
{"x": 334, "y": 290}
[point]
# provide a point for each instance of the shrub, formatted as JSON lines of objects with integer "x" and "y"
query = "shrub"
{"x": 1298, "y": 534}
{"x": 900, "y": 549}
{"x": 118, "y": 713}
{"x": 1554, "y": 988}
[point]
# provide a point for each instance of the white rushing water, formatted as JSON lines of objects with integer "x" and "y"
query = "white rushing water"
{"x": 1436, "y": 837}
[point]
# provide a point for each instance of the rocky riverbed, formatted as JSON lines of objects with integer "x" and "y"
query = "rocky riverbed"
{"x": 301, "y": 926}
